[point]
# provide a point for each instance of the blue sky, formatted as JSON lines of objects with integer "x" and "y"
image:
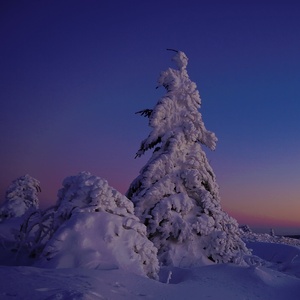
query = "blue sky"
{"x": 73, "y": 73}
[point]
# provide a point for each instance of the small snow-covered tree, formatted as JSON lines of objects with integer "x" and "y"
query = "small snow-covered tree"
{"x": 92, "y": 225}
{"x": 20, "y": 196}
{"x": 176, "y": 194}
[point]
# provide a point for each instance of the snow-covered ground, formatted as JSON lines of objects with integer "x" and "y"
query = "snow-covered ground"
{"x": 209, "y": 282}
{"x": 274, "y": 273}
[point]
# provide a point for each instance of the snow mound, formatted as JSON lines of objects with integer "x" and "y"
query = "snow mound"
{"x": 91, "y": 226}
{"x": 101, "y": 241}
{"x": 281, "y": 257}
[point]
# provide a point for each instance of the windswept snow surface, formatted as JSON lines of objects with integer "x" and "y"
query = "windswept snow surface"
{"x": 273, "y": 273}
{"x": 221, "y": 281}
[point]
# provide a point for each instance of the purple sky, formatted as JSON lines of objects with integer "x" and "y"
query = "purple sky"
{"x": 74, "y": 72}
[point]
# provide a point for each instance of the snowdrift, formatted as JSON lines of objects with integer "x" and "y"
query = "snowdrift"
{"x": 218, "y": 282}
{"x": 100, "y": 241}
{"x": 273, "y": 273}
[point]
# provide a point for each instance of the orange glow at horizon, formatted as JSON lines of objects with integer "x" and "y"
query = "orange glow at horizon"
{"x": 267, "y": 220}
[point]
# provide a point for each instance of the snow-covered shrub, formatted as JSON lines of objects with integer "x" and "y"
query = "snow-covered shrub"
{"x": 250, "y": 237}
{"x": 245, "y": 228}
{"x": 87, "y": 193}
{"x": 176, "y": 194}
{"x": 101, "y": 240}
{"x": 93, "y": 226}
{"x": 20, "y": 197}
{"x": 35, "y": 231}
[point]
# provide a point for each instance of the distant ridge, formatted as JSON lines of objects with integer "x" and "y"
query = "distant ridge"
{"x": 295, "y": 236}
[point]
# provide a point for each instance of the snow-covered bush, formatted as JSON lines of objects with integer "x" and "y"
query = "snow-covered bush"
{"x": 176, "y": 195}
{"x": 93, "y": 226}
{"x": 35, "y": 231}
{"x": 249, "y": 236}
{"x": 101, "y": 240}
{"x": 20, "y": 197}
{"x": 245, "y": 228}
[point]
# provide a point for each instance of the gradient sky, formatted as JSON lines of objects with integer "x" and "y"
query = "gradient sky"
{"x": 73, "y": 73}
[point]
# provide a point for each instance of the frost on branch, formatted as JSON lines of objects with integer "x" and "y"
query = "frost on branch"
{"x": 92, "y": 226}
{"x": 20, "y": 197}
{"x": 176, "y": 194}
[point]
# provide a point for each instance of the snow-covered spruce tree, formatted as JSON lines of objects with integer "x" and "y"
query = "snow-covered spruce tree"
{"x": 20, "y": 196}
{"x": 92, "y": 225}
{"x": 176, "y": 195}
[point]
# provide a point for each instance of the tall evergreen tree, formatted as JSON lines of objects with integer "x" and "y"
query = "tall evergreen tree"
{"x": 176, "y": 194}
